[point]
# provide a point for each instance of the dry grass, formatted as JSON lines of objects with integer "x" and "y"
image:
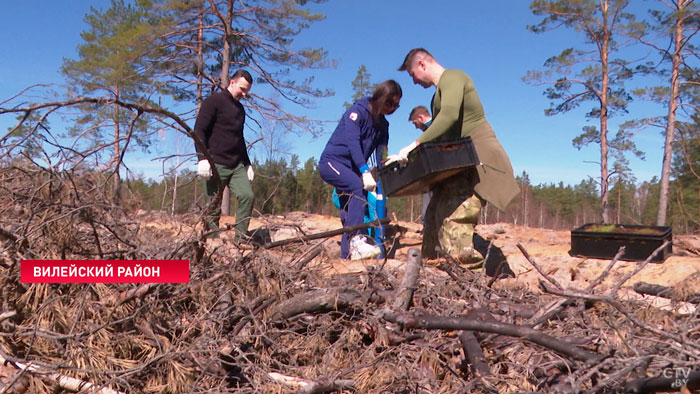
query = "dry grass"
{"x": 215, "y": 334}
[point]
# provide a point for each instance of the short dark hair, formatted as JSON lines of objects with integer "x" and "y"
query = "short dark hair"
{"x": 419, "y": 110}
{"x": 410, "y": 57}
{"x": 242, "y": 74}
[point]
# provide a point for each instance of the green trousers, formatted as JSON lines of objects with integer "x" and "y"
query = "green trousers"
{"x": 237, "y": 181}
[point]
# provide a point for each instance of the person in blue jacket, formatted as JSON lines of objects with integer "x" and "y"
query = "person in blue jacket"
{"x": 362, "y": 130}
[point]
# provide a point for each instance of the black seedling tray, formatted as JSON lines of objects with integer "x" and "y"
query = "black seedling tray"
{"x": 429, "y": 163}
{"x": 602, "y": 241}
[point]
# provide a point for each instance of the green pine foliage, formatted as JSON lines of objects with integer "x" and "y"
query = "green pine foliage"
{"x": 203, "y": 43}
{"x": 684, "y": 199}
{"x": 281, "y": 187}
{"x": 115, "y": 61}
{"x": 361, "y": 85}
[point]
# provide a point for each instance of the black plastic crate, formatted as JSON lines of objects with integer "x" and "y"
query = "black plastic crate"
{"x": 429, "y": 163}
{"x": 639, "y": 241}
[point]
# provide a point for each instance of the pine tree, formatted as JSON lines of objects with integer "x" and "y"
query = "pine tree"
{"x": 114, "y": 61}
{"x": 228, "y": 35}
{"x": 361, "y": 85}
{"x": 685, "y": 190}
{"x": 589, "y": 74}
{"x": 219, "y": 37}
{"x": 679, "y": 22}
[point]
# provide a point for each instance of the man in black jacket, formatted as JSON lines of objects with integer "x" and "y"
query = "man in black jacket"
{"x": 219, "y": 126}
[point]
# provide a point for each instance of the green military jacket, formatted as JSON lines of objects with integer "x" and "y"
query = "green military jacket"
{"x": 458, "y": 113}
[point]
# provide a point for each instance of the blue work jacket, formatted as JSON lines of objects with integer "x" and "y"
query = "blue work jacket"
{"x": 356, "y": 137}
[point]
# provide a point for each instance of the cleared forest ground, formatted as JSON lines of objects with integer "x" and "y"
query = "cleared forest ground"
{"x": 296, "y": 318}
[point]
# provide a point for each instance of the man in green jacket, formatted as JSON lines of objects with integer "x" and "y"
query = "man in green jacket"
{"x": 456, "y": 203}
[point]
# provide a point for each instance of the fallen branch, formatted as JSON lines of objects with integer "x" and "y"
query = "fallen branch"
{"x": 537, "y": 267}
{"x": 308, "y": 387}
{"x": 326, "y": 387}
{"x": 640, "y": 267}
{"x": 326, "y": 234}
{"x": 245, "y": 320}
{"x": 428, "y": 322}
{"x": 558, "y": 305}
{"x": 134, "y": 293}
{"x": 323, "y": 300}
{"x": 473, "y": 354}
{"x": 665, "y": 292}
{"x": 7, "y": 315}
{"x": 288, "y": 380}
{"x": 63, "y": 381}
{"x": 306, "y": 257}
{"x": 551, "y": 310}
{"x": 619, "y": 306}
{"x": 404, "y": 294}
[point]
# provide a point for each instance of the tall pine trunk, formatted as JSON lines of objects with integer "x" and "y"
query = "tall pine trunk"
{"x": 200, "y": 57}
{"x": 671, "y": 118}
{"x": 619, "y": 204}
{"x": 604, "y": 195}
{"x": 116, "y": 181}
{"x": 225, "y": 70}
{"x": 200, "y": 73}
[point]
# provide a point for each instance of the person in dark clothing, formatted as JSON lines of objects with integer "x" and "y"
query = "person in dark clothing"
{"x": 219, "y": 126}
{"x": 362, "y": 130}
{"x": 420, "y": 118}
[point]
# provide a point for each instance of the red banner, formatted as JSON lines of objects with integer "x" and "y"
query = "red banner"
{"x": 105, "y": 271}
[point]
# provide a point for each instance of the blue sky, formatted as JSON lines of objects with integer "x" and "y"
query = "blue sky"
{"x": 486, "y": 39}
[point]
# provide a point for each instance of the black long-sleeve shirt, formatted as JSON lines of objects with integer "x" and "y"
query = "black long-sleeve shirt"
{"x": 220, "y": 126}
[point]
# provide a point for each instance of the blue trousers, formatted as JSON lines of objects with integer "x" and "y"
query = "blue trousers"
{"x": 353, "y": 198}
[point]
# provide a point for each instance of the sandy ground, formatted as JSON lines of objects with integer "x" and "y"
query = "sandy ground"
{"x": 548, "y": 248}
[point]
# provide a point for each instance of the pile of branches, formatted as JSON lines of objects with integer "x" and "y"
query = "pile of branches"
{"x": 256, "y": 319}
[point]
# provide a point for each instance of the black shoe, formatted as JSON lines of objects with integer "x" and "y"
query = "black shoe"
{"x": 495, "y": 259}
{"x": 259, "y": 236}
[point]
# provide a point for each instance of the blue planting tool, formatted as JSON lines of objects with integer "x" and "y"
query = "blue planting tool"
{"x": 376, "y": 210}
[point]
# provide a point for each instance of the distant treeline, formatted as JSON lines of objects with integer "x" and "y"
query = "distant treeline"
{"x": 282, "y": 186}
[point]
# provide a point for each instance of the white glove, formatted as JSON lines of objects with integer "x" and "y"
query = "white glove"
{"x": 403, "y": 153}
{"x": 250, "y": 172}
{"x": 368, "y": 182}
{"x": 391, "y": 159}
{"x": 204, "y": 169}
